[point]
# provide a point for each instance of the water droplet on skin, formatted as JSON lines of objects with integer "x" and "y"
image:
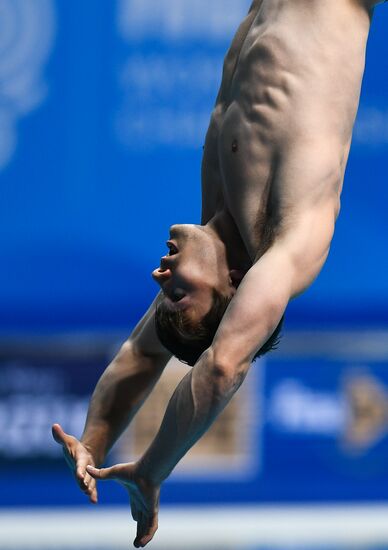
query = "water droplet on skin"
{"x": 234, "y": 146}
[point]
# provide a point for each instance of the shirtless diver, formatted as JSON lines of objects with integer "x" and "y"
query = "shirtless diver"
{"x": 273, "y": 167}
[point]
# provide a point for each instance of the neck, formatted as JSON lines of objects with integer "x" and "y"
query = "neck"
{"x": 224, "y": 228}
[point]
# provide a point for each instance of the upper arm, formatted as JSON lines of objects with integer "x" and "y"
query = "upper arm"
{"x": 144, "y": 339}
{"x": 255, "y": 310}
{"x": 283, "y": 272}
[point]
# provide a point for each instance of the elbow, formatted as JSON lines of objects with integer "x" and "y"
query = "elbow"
{"x": 226, "y": 374}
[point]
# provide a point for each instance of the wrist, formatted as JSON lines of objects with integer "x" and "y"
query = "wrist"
{"x": 148, "y": 474}
{"x": 95, "y": 451}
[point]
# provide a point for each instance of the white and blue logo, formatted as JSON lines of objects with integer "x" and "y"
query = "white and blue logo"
{"x": 26, "y": 38}
{"x": 168, "y": 92}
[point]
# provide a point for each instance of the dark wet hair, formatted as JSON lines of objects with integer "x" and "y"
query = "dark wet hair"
{"x": 187, "y": 340}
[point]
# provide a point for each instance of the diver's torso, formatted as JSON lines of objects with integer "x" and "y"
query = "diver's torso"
{"x": 280, "y": 132}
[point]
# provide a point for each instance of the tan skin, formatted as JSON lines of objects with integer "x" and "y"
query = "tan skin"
{"x": 272, "y": 174}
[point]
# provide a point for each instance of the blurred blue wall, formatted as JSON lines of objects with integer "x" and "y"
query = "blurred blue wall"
{"x": 104, "y": 106}
{"x": 103, "y": 110}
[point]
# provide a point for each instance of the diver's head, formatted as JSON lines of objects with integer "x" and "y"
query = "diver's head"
{"x": 197, "y": 286}
{"x": 194, "y": 270}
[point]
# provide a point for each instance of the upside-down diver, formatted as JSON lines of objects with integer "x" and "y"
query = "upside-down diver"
{"x": 272, "y": 173}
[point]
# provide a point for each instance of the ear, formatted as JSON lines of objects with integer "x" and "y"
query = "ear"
{"x": 236, "y": 276}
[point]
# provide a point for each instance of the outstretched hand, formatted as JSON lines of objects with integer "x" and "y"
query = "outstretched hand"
{"x": 77, "y": 457}
{"x": 144, "y": 497}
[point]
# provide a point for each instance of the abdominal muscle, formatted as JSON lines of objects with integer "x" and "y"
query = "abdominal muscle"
{"x": 279, "y": 138}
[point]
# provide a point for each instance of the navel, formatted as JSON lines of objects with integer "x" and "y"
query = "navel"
{"x": 234, "y": 146}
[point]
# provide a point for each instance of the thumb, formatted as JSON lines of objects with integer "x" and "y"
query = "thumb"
{"x": 114, "y": 472}
{"x": 102, "y": 473}
{"x": 58, "y": 434}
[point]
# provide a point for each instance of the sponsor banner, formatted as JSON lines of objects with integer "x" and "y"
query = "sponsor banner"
{"x": 327, "y": 423}
{"x": 35, "y": 393}
{"x": 299, "y": 429}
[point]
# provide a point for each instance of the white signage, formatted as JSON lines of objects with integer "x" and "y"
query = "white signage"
{"x": 26, "y": 40}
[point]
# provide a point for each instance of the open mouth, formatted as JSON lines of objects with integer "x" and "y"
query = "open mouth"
{"x": 177, "y": 295}
{"x": 172, "y": 248}
{"x": 177, "y": 300}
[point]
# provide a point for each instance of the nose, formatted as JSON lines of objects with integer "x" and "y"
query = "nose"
{"x": 160, "y": 276}
{"x": 176, "y": 230}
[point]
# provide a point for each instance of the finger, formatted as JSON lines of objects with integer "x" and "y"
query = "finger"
{"x": 86, "y": 487}
{"x": 83, "y": 486}
{"x": 66, "y": 442}
{"x": 80, "y": 474}
{"x": 93, "y": 496}
{"x": 134, "y": 509}
{"x": 58, "y": 434}
{"x": 138, "y": 500}
{"x": 140, "y": 529}
{"x": 88, "y": 480}
{"x": 149, "y": 526}
{"x": 138, "y": 504}
{"x": 150, "y": 530}
{"x": 90, "y": 485}
{"x": 102, "y": 473}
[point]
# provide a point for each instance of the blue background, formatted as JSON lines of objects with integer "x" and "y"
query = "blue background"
{"x": 84, "y": 216}
{"x": 99, "y": 172}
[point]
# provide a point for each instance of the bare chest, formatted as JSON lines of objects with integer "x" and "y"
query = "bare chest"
{"x": 238, "y": 176}
{"x": 279, "y": 139}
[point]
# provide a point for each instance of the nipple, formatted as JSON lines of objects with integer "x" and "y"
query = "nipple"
{"x": 234, "y": 146}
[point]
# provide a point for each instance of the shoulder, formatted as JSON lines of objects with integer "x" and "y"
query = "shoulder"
{"x": 306, "y": 241}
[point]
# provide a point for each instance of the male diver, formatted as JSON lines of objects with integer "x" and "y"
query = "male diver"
{"x": 273, "y": 167}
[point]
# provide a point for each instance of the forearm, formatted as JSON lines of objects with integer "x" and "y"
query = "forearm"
{"x": 199, "y": 398}
{"x": 249, "y": 321}
{"x": 117, "y": 397}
